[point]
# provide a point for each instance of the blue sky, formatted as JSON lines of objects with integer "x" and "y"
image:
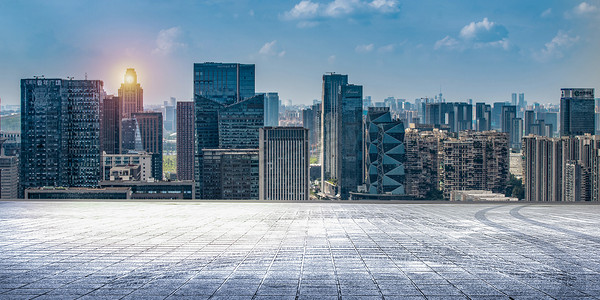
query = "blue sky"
{"x": 483, "y": 50}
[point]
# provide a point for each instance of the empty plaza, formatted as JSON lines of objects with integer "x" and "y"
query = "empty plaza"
{"x": 327, "y": 250}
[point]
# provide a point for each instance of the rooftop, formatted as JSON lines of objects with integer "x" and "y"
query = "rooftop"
{"x": 258, "y": 250}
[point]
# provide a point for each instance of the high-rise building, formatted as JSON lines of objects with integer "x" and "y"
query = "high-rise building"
{"x": 483, "y": 116}
{"x": 9, "y": 176}
{"x": 529, "y": 121}
{"x": 225, "y": 83}
{"x": 512, "y": 125}
{"x": 385, "y": 153}
{"x": 350, "y": 140}
{"x": 577, "y": 112}
{"x": 330, "y": 125}
{"x": 284, "y": 163}
{"x": 150, "y": 126}
{"x": 514, "y": 99}
{"x": 60, "y": 133}
{"x": 131, "y": 94}
{"x": 231, "y": 174}
{"x": 238, "y": 123}
{"x": 110, "y": 125}
{"x": 497, "y": 115}
{"x": 458, "y": 116}
{"x": 423, "y": 160}
{"x": 170, "y": 116}
{"x": 272, "y": 109}
{"x": 476, "y": 161}
{"x": 185, "y": 140}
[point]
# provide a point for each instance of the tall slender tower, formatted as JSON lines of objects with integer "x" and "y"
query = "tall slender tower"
{"x": 330, "y": 124}
{"x": 185, "y": 140}
{"x": 131, "y": 94}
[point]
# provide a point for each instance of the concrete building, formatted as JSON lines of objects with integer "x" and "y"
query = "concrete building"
{"x": 60, "y": 133}
{"x": 185, "y": 140}
{"x": 234, "y": 174}
{"x": 59, "y": 193}
{"x": 150, "y": 127}
{"x": 131, "y": 94}
{"x": 284, "y": 163}
{"x": 141, "y": 159}
{"x": 9, "y": 177}
{"x": 577, "y": 112}
{"x": 385, "y": 153}
{"x": 181, "y": 190}
{"x": 423, "y": 160}
{"x": 475, "y": 161}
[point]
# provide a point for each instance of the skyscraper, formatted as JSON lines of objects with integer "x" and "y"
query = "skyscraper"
{"x": 231, "y": 174}
{"x": 131, "y": 94}
{"x": 60, "y": 133}
{"x": 330, "y": 124}
{"x": 239, "y": 123}
{"x": 283, "y": 163}
{"x": 385, "y": 153}
{"x": 272, "y": 109}
{"x": 577, "y": 112}
{"x": 225, "y": 83}
{"x": 150, "y": 126}
{"x": 110, "y": 125}
{"x": 483, "y": 116}
{"x": 350, "y": 143}
{"x": 185, "y": 140}
{"x": 512, "y": 125}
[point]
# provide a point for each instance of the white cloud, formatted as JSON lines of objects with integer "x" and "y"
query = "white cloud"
{"x": 484, "y": 31}
{"x": 306, "y": 10}
{"x": 556, "y": 47}
{"x": 271, "y": 49}
{"x": 546, "y": 13}
{"x": 477, "y": 35}
{"x": 447, "y": 42}
{"x": 364, "y": 48}
{"x": 585, "y": 8}
{"x": 386, "y": 49}
{"x": 331, "y": 59}
{"x": 168, "y": 40}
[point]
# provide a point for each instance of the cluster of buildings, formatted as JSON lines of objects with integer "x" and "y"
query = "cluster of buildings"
{"x": 234, "y": 143}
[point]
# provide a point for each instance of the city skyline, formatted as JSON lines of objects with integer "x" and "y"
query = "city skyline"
{"x": 484, "y": 52}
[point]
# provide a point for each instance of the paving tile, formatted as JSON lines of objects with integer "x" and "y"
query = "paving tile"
{"x": 197, "y": 250}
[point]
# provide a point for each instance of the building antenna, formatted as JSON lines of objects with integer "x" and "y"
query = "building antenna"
{"x": 85, "y": 75}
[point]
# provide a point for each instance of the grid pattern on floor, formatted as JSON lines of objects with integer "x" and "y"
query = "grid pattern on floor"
{"x": 158, "y": 250}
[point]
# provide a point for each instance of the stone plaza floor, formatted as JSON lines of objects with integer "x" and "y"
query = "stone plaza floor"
{"x": 212, "y": 250}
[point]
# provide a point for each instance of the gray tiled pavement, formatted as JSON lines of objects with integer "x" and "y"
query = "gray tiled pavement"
{"x": 199, "y": 250}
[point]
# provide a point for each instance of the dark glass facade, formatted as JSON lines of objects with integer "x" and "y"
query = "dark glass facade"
{"x": 225, "y": 83}
{"x": 239, "y": 123}
{"x": 150, "y": 126}
{"x": 577, "y": 107}
{"x": 60, "y": 133}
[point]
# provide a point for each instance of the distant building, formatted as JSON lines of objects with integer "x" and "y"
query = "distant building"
{"x": 110, "y": 125}
{"x": 239, "y": 123}
{"x": 151, "y": 133}
{"x": 131, "y": 94}
{"x": 512, "y": 125}
{"x": 330, "y": 126}
{"x": 185, "y": 140}
{"x": 225, "y": 83}
{"x": 479, "y": 195}
{"x": 60, "y": 132}
{"x": 284, "y": 163}
{"x": 183, "y": 190}
{"x": 230, "y": 174}
{"x": 9, "y": 177}
{"x": 271, "y": 109}
{"x": 141, "y": 159}
{"x": 52, "y": 193}
{"x": 577, "y": 112}
{"x": 483, "y": 116}
{"x": 385, "y": 153}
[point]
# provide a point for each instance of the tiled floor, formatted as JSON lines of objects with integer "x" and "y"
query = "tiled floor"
{"x": 157, "y": 250}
